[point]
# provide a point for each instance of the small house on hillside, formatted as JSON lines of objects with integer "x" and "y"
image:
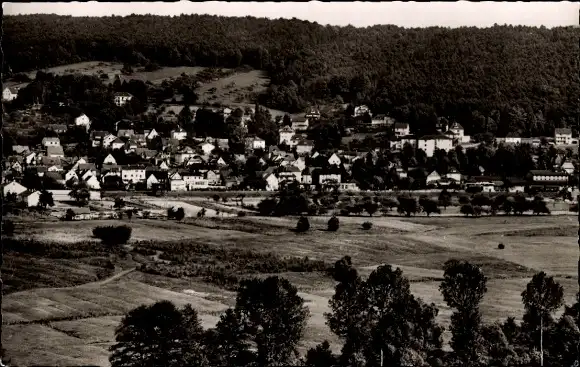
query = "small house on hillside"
{"x": 122, "y": 98}
{"x": 563, "y": 136}
{"x": 401, "y": 129}
{"x": 50, "y": 142}
{"x": 9, "y": 94}
{"x": 83, "y": 120}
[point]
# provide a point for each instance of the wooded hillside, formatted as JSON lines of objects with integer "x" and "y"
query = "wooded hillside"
{"x": 502, "y": 79}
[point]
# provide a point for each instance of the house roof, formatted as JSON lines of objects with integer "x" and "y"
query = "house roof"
{"x": 87, "y": 166}
{"x": 456, "y": 125}
{"x": 435, "y": 137}
{"x": 13, "y": 90}
{"x": 563, "y": 131}
{"x": 401, "y": 125}
{"x": 58, "y": 127}
{"x": 55, "y": 175}
{"x": 20, "y": 148}
{"x": 54, "y": 150}
{"x": 81, "y": 210}
{"x": 547, "y": 173}
{"x": 123, "y": 94}
{"x": 117, "y": 141}
{"x": 51, "y": 138}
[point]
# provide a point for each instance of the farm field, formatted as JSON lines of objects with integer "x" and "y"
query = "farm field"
{"x": 79, "y": 319}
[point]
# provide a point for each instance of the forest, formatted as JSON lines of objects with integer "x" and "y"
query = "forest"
{"x": 501, "y": 80}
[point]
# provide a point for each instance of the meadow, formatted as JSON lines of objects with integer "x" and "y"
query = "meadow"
{"x": 76, "y": 298}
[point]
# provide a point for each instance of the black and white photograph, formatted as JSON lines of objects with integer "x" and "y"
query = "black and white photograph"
{"x": 317, "y": 184}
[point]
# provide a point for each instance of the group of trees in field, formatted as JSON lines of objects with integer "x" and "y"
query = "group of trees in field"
{"x": 291, "y": 200}
{"x": 377, "y": 319}
{"x": 494, "y": 87}
{"x": 516, "y": 204}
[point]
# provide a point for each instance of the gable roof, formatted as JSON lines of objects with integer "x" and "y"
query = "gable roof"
{"x": 563, "y": 131}
{"x": 123, "y": 94}
{"x": 54, "y": 150}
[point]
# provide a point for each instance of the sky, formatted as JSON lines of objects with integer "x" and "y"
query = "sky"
{"x": 358, "y": 14}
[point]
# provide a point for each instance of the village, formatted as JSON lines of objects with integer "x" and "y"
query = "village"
{"x": 175, "y": 161}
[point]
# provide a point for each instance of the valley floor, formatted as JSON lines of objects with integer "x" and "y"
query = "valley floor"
{"x": 64, "y": 314}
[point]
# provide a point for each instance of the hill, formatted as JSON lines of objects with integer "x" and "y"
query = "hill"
{"x": 501, "y": 79}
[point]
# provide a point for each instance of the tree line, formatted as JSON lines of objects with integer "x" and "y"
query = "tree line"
{"x": 502, "y": 79}
{"x": 378, "y": 320}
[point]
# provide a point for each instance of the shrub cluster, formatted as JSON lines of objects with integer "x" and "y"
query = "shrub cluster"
{"x": 113, "y": 235}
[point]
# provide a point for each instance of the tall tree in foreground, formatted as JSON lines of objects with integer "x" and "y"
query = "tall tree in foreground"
{"x": 272, "y": 316}
{"x": 158, "y": 335}
{"x": 541, "y": 298}
{"x": 463, "y": 288}
{"x": 380, "y": 320}
{"x": 150, "y": 335}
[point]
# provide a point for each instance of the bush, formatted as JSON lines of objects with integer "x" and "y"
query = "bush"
{"x": 146, "y": 214}
{"x": 7, "y": 228}
{"x": 333, "y": 224}
{"x": 113, "y": 235}
{"x": 241, "y": 214}
{"x": 574, "y": 208}
{"x": 367, "y": 225}
{"x": 463, "y": 199}
{"x": 303, "y": 224}
{"x": 500, "y": 246}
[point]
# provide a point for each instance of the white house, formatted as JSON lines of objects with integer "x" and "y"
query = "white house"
{"x": 109, "y": 159}
{"x": 184, "y": 155}
{"x": 326, "y": 178}
{"x": 195, "y": 182}
{"x": 255, "y": 143}
{"x": 152, "y": 180}
{"x": 361, "y": 111}
{"x": 348, "y": 186}
{"x": 9, "y": 94}
{"x": 429, "y": 143}
{"x": 163, "y": 166}
{"x": 108, "y": 140}
{"x": 286, "y": 134}
{"x": 300, "y": 124}
{"x": 83, "y": 120}
{"x": 177, "y": 185}
{"x": 454, "y": 174}
{"x": 51, "y": 142}
{"x": 433, "y": 177}
{"x": 312, "y": 113}
{"x": 401, "y": 129}
{"x": 179, "y": 134}
{"x": 563, "y": 136}
{"x": 93, "y": 183}
{"x": 207, "y": 147}
{"x": 71, "y": 175}
{"x": 300, "y": 163}
{"x": 117, "y": 144}
{"x": 271, "y": 182}
{"x": 122, "y": 98}
{"x": 13, "y": 187}
{"x": 151, "y": 134}
{"x": 304, "y": 146}
{"x": 334, "y": 160}
{"x": 458, "y": 133}
{"x": 31, "y": 198}
{"x": 568, "y": 167}
{"x": 30, "y": 157}
{"x": 133, "y": 174}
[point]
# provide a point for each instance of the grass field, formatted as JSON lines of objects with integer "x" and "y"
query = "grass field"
{"x": 73, "y": 321}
